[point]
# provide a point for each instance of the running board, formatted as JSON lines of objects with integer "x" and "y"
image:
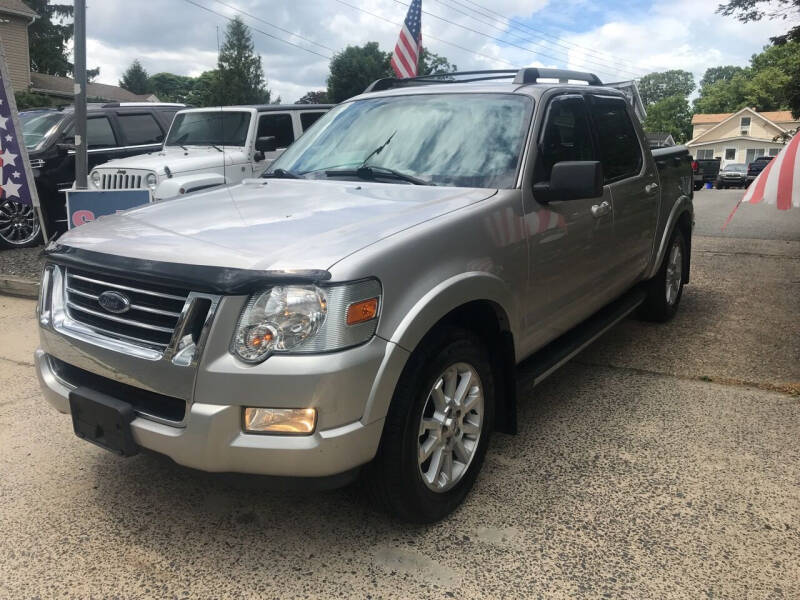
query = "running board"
{"x": 542, "y": 364}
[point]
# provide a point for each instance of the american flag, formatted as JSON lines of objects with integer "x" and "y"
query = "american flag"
{"x": 409, "y": 44}
{"x": 15, "y": 174}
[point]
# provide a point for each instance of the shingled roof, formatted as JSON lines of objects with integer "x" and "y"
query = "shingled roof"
{"x": 64, "y": 86}
{"x": 778, "y": 116}
{"x": 17, "y": 7}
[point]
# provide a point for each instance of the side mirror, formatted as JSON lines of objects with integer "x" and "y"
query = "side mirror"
{"x": 65, "y": 147}
{"x": 267, "y": 143}
{"x": 571, "y": 180}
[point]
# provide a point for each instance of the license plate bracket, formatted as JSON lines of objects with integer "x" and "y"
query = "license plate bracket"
{"x": 103, "y": 420}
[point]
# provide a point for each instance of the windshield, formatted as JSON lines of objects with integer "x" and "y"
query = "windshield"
{"x": 463, "y": 140}
{"x": 739, "y": 168}
{"x": 220, "y": 128}
{"x": 38, "y": 126}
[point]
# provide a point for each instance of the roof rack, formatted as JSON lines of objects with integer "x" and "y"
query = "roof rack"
{"x": 519, "y": 76}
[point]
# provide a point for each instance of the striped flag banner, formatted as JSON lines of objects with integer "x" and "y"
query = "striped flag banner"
{"x": 409, "y": 44}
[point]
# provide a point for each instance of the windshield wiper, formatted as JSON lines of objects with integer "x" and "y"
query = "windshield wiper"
{"x": 281, "y": 174}
{"x": 369, "y": 173}
{"x": 217, "y": 147}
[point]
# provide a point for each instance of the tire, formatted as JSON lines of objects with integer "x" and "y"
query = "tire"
{"x": 698, "y": 187}
{"x": 664, "y": 291}
{"x": 396, "y": 479}
{"x": 19, "y": 225}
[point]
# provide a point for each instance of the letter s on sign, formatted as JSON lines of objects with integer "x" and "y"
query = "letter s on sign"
{"x": 79, "y": 217}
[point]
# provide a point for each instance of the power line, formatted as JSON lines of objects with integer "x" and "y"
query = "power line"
{"x": 524, "y": 26}
{"x": 275, "y": 37}
{"x": 528, "y": 38}
{"x": 427, "y": 36}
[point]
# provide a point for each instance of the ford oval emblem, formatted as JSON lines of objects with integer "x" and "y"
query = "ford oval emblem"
{"x": 114, "y": 302}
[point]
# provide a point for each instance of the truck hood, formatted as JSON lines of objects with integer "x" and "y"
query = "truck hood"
{"x": 270, "y": 224}
{"x": 178, "y": 160}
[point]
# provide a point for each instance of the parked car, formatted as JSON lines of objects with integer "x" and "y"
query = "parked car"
{"x": 363, "y": 305}
{"x": 114, "y": 130}
{"x": 705, "y": 170}
{"x": 732, "y": 175}
{"x": 755, "y": 167}
{"x": 209, "y": 147}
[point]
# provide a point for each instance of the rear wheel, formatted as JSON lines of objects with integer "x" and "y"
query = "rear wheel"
{"x": 19, "y": 225}
{"x": 437, "y": 430}
{"x": 664, "y": 291}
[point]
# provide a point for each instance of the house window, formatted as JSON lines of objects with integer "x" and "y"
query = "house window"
{"x": 774, "y": 151}
{"x": 744, "y": 125}
{"x": 753, "y": 153}
{"x": 705, "y": 153}
{"x": 730, "y": 153}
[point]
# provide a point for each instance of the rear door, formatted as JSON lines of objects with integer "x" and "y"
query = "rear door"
{"x": 632, "y": 179}
{"x": 569, "y": 244}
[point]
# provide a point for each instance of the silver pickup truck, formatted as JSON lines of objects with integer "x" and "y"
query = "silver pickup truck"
{"x": 363, "y": 306}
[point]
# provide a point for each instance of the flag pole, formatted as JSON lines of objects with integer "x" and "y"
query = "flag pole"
{"x": 81, "y": 155}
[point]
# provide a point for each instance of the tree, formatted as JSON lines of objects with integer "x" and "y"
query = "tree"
{"x": 170, "y": 87}
{"x": 204, "y": 89}
{"x": 314, "y": 97}
{"x": 755, "y": 10}
{"x": 657, "y": 86}
{"x": 433, "y": 64}
{"x": 241, "y": 76}
{"x": 48, "y": 37}
{"x": 135, "y": 79}
{"x": 715, "y": 74}
{"x": 354, "y": 68}
{"x": 670, "y": 115}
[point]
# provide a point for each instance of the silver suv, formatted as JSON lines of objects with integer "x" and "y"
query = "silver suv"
{"x": 362, "y": 307}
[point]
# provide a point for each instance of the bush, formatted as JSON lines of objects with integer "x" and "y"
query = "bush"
{"x": 27, "y": 100}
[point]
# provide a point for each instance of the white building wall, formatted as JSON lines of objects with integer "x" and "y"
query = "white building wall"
{"x": 737, "y": 148}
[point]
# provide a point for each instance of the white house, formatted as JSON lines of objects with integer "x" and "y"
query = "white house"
{"x": 741, "y": 136}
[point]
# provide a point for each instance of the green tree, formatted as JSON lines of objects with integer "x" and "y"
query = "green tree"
{"x": 48, "y": 37}
{"x": 657, "y": 86}
{"x": 433, "y": 64}
{"x": 354, "y": 68}
{"x": 715, "y": 74}
{"x": 204, "y": 89}
{"x": 241, "y": 76}
{"x": 314, "y": 97}
{"x": 135, "y": 79}
{"x": 170, "y": 87}
{"x": 670, "y": 115}
{"x": 755, "y": 10}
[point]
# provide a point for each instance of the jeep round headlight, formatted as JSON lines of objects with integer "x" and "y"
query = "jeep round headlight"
{"x": 151, "y": 180}
{"x": 96, "y": 179}
{"x": 279, "y": 320}
{"x": 306, "y": 319}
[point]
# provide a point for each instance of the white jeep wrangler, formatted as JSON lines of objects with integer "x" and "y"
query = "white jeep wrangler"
{"x": 209, "y": 147}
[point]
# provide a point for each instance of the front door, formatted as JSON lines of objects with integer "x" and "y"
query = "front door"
{"x": 281, "y": 127}
{"x": 569, "y": 242}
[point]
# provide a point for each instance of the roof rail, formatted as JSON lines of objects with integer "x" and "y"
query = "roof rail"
{"x": 519, "y": 76}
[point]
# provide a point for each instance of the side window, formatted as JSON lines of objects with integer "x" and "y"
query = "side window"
{"x": 620, "y": 151}
{"x": 307, "y": 119}
{"x": 279, "y": 125}
{"x": 98, "y": 133}
{"x": 566, "y": 135}
{"x": 140, "y": 129}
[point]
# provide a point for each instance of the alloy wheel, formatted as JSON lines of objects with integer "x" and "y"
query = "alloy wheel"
{"x": 674, "y": 273}
{"x": 19, "y": 224}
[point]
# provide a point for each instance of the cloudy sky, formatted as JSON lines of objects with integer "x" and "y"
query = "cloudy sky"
{"x": 616, "y": 39}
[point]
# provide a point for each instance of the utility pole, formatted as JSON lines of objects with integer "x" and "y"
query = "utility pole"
{"x": 81, "y": 156}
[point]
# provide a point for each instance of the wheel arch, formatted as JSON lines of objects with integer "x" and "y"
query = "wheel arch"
{"x": 681, "y": 215}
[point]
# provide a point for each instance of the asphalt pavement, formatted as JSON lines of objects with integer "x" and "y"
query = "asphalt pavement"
{"x": 663, "y": 462}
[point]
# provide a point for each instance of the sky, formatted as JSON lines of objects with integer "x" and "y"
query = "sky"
{"x": 615, "y": 39}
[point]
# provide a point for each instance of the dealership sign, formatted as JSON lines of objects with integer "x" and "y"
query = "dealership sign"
{"x": 87, "y": 205}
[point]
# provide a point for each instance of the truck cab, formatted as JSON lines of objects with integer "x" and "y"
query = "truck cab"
{"x": 209, "y": 147}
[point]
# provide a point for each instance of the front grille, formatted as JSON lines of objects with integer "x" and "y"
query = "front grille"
{"x": 143, "y": 401}
{"x": 128, "y": 180}
{"x": 150, "y": 321}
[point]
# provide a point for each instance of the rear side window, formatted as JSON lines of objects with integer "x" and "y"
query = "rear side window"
{"x": 278, "y": 125}
{"x": 566, "y": 135}
{"x": 620, "y": 152}
{"x": 140, "y": 129}
{"x": 307, "y": 119}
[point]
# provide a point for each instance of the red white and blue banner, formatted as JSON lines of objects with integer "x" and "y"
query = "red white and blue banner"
{"x": 409, "y": 43}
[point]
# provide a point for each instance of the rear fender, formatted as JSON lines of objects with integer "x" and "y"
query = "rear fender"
{"x": 683, "y": 205}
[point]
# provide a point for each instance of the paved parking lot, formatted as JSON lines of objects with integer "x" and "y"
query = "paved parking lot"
{"x": 663, "y": 462}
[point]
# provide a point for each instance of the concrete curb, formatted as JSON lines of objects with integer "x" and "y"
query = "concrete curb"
{"x": 25, "y": 288}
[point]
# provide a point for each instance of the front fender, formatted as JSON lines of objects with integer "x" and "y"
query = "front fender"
{"x": 180, "y": 186}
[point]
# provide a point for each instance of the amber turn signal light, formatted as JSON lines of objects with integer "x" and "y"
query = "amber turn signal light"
{"x": 361, "y": 312}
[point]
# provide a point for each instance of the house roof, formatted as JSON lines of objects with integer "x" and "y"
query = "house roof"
{"x": 65, "y": 86}
{"x": 17, "y": 7}
{"x": 778, "y": 116}
{"x": 707, "y": 133}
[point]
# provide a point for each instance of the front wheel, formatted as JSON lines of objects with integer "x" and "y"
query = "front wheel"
{"x": 19, "y": 225}
{"x": 664, "y": 291}
{"x": 437, "y": 430}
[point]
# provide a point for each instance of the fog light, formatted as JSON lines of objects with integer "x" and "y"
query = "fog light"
{"x": 297, "y": 421}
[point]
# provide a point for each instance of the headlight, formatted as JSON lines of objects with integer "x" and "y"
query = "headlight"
{"x": 96, "y": 179}
{"x": 151, "y": 180}
{"x": 305, "y": 319}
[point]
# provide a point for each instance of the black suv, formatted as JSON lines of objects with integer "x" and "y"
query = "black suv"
{"x": 754, "y": 168}
{"x": 114, "y": 130}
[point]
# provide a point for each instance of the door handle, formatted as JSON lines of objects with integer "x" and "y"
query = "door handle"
{"x": 600, "y": 210}
{"x": 650, "y": 188}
